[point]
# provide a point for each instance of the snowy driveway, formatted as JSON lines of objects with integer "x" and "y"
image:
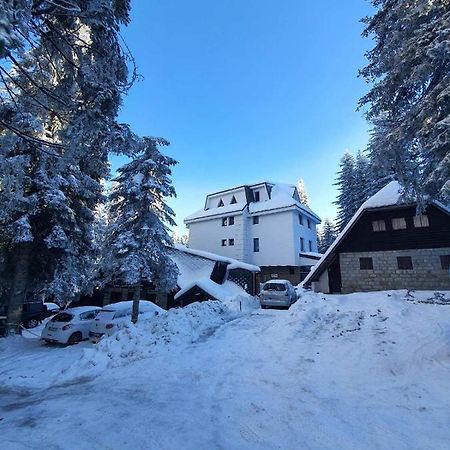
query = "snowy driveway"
{"x": 342, "y": 373}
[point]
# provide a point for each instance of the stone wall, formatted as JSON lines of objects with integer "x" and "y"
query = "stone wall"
{"x": 427, "y": 273}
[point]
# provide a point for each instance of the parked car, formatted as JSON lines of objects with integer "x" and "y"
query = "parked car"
{"x": 277, "y": 293}
{"x": 52, "y": 308}
{"x": 116, "y": 315}
{"x": 70, "y": 326}
{"x": 33, "y": 313}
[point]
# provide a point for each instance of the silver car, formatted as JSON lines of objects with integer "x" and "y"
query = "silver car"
{"x": 277, "y": 293}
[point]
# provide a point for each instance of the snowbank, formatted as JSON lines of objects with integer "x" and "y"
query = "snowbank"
{"x": 44, "y": 366}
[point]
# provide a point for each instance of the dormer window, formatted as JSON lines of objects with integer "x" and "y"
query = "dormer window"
{"x": 220, "y": 203}
{"x": 233, "y": 200}
{"x": 256, "y": 196}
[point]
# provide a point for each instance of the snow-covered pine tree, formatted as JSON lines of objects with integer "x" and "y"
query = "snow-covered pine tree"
{"x": 409, "y": 102}
{"x": 302, "y": 193}
{"x": 58, "y": 115}
{"x": 178, "y": 238}
{"x": 137, "y": 232}
{"x": 327, "y": 235}
{"x": 346, "y": 185}
{"x": 362, "y": 179}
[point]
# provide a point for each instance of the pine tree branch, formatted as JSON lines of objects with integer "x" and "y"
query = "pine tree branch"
{"x": 33, "y": 140}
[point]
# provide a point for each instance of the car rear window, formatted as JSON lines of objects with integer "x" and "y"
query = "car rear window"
{"x": 62, "y": 317}
{"x": 106, "y": 314}
{"x": 274, "y": 287}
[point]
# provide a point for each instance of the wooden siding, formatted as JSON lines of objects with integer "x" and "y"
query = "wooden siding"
{"x": 362, "y": 238}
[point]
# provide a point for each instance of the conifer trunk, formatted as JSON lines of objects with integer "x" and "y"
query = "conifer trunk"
{"x": 20, "y": 283}
{"x": 136, "y": 298}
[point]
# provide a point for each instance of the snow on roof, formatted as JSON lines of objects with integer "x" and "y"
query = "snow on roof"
{"x": 387, "y": 196}
{"x": 233, "y": 263}
{"x": 223, "y": 292}
{"x": 311, "y": 254}
{"x": 277, "y": 281}
{"x": 80, "y": 309}
{"x": 216, "y": 211}
{"x": 282, "y": 196}
{"x": 144, "y": 305}
{"x": 191, "y": 268}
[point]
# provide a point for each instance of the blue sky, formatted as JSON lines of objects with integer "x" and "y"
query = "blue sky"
{"x": 249, "y": 90}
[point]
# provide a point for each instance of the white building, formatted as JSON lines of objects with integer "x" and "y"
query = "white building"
{"x": 262, "y": 224}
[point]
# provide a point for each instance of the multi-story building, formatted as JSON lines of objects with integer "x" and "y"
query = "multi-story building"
{"x": 262, "y": 224}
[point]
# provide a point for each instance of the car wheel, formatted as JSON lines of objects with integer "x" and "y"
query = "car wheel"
{"x": 32, "y": 323}
{"x": 75, "y": 338}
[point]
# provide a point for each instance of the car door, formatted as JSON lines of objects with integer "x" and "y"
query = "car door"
{"x": 85, "y": 322}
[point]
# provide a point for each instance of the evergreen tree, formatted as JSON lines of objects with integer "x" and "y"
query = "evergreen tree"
{"x": 182, "y": 239}
{"x": 346, "y": 184}
{"x": 137, "y": 233}
{"x": 409, "y": 102}
{"x": 327, "y": 235}
{"x": 302, "y": 193}
{"x": 58, "y": 117}
{"x": 363, "y": 181}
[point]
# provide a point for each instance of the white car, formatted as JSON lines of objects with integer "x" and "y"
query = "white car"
{"x": 116, "y": 315}
{"x": 277, "y": 293}
{"x": 70, "y": 326}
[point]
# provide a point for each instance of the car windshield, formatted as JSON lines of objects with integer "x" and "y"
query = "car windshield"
{"x": 62, "y": 317}
{"x": 274, "y": 287}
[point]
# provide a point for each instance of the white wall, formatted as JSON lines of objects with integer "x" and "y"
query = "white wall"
{"x": 275, "y": 233}
{"x": 207, "y": 235}
{"x": 213, "y": 200}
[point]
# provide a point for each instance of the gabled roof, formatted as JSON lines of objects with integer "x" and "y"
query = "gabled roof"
{"x": 390, "y": 195}
{"x": 195, "y": 268}
{"x": 282, "y": 196}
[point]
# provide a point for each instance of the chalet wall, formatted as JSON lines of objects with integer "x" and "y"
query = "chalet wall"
{"x": 426, "y": 274}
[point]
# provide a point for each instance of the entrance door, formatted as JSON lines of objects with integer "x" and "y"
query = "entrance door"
{"x": 334, "y": 276}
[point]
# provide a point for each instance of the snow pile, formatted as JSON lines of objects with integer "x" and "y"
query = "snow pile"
{"x": 171, "y": 330}
{"x": 357, "y": 371}
{"x": 44, "y": 366}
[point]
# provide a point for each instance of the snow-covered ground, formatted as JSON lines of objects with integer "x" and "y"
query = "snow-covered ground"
{"x": 334, "y": 372}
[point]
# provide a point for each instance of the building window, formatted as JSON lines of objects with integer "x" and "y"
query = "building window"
{"x": 421, "y": 221}
{"x": 224, "y": 242}
{"x": 255, "y": 220}
{"x": 398, "y": 223}
{"x": 220, "y": 203}
{"x": 309, "y": 224}
{"x": 302, "y": 244}
{"x": 300, "y": 219}
{"x": 256, "y": 195}
{"x": 256, "y": 245}
{"x": 231, "y": 220}
{"x": 404, "y": 262}
{"x": 379, "y": 225}
{"x": 224, "y": 221}
{"x": 233, "y": 200}
{"x": 365, "y": 264}
{"x": 230, "y": 242}
{"x": 445, "y": 262}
